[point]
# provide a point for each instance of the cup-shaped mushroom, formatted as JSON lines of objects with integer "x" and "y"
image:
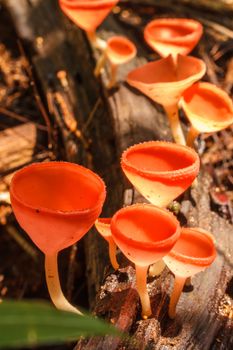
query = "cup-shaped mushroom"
{"x": 87, "y": 14}
{"x": 145, "y": 234}
{"x": 208, "y": 108}
{"x": 193, "y": 252}
{"x": 160, "y": 170}
{"x": 103, "y": 227}
{"x": 173, "y": 35}
{"x": 164, "y": 81}
{"x": 56, "y": 203}
{"x": 119, "y": 50}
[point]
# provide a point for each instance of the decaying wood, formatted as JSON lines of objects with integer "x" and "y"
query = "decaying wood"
{"x": 123, "y": 118}
{"x": 17, "y": 146}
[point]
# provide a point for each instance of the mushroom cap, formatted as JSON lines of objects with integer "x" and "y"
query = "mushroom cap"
{"x": 87, "y": 14}
{"x": 103, "y": 227}
{"x": 164, "y": 81}
{"x": 207, "y": 107}
{"x": 160, "y": 170}
{"x": 193, "y": 252}
{"x": 120, "y": 50}
{"x": 144, "y": 233}
{"x": 173, "y": 35}
{"x": 56, "y": 203}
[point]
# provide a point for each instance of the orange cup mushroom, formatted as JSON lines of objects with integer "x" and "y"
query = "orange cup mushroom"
{"x": 160, "y": 171}
{"x": 208, "y": 108}
{"x": 164, "y": 81}
{"x": 56, "y": 203}
{"x": 88, "y": 15}
{"x": 119, "y": 50}
{"x": 173, "y": 35}
{"x": 103, "y": 227}
{"x": 193, "y": 252}
{"x": 145, "y": 234}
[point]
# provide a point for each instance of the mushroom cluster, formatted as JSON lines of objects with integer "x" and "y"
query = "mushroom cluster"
{"x": 56, "y": 203}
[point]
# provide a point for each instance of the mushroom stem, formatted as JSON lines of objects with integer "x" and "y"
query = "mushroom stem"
{"x": 112, "y": 255}
{"x": 157, "y": 268}
{"x": 191, "y": 137}
{"x": 141, "y": 276}
{"x": 96, "y": 41}
{"x": 173, "y": 116}
{"x": 113, "y": 73}
{"x": 100, "y": 63}
{"x": 54, "y": 287}
{"x": 177, "y": 289}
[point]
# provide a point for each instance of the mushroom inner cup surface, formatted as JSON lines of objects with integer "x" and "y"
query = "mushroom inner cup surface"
{"x": 160, "y": 159}
{"x": 58, "y": 189}
{"x": 168, "y": 31}
{"x": 166, "y": 71}
{"x": 120, "y": 47}
{"x": 196, "y": 246}
{"x": 206, "y": 103}
{"x": 145, "y": 225}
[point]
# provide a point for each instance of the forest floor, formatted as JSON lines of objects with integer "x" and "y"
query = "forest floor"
{"x": 21, "y": 264}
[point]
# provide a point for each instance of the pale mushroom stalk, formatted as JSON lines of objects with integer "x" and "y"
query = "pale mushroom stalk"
{"x": 177, "y": 290}
{"x": 113, "y": 74}
{"x": 54, "y": 287}
{"x": 157, "y": 268}
{"x": 191, "y": 136}
{"x": 100, "y": 64}
{"x": 112, "y": 248}
{"x": 173, "y": 116}
{"x": 141, "y": 277}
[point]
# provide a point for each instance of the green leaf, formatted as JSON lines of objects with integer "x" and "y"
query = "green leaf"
{"x": 32, "y": 323}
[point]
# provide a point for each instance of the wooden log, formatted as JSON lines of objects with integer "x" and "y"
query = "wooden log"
{"x": 17, "y": 146}
{"x": 124, "y": 118}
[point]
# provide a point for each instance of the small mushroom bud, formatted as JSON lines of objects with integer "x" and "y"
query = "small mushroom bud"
{"x": 103, "y": 227}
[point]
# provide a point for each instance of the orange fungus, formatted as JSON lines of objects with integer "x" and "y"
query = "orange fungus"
{"x": 56, "y": 203}
{"x": 173, "y": 35}
{"x": 87, "y": 14}
{"x": 160, "y": 170}
{"x": 144, "y": 233}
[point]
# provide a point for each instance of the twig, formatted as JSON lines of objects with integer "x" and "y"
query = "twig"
{"x": 21, "y": 118}
{"x": 91, "y": 115}
{"x": 211, "y": 68}
{"x": 218, "y": 27}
